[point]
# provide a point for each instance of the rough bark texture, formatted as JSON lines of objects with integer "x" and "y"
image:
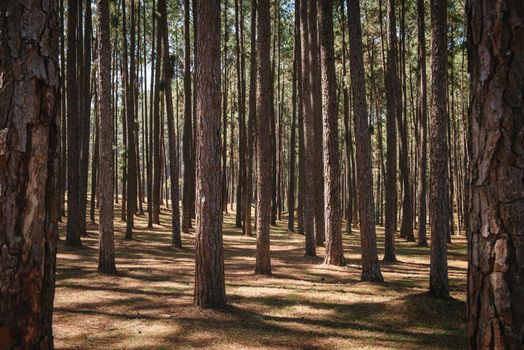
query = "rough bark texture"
{"x": 438, "y": 205}
{"x": 316, "y": 110}
{"x": 106, "y": 256}
{"x": 173, "y": 158}
{"x": 423, "y": 127}
{"x": 263, "y": 161}
{"x": 189, "y": 163}
{"x": 209, "y": 271}
{"x": 495, "y": 217}
{"x": 334, "y": 250}
{"x": 29, "y": 105}
{"x": 73, "y": 130}
{"x": 309, "y": 142}
{"x": 391, "y": 131}
{"x": 370, "y": 266}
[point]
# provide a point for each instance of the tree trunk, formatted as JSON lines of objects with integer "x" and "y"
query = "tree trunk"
{"x": 496, "y": 192}
{"x": 309, "y": 141}
{"x": 391, "y": 131}
{"x": 157, "y": 131}
{"x": 73, "y": 129}
{"x": 30, "y": 102}
{"x": 423, "y": 127}
{"x": 189, "y": 166}
{"x": 438, "y": 205}
{"x": 173, "y": 161}
{"x": 106, "y": 257}
{"x": 209, "y": 269}
{"x": 370, "y": 266}
{"x": 316, "y": 110}
{"x": 334, "y": 249}
{"x": 263, "y": 161}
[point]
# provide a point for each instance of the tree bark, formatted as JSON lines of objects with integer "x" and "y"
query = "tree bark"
{"x": 209, "y": 270}
{"x": 438, "y": 205}
{"x": 308, "y": 188}
{"x": 423, "y": 127}
{"x": 263, "y": 161}
{"x": 73, "y": 129}
{"x": 334, "y": 249}
{"x": 106, "y": 257}
{"x": 29, "y": 174}
{"x": 370, "y": 266}
{"x": 189, "y": 166}
{"x": 391, "y": 131}
{"x": 496, "y": 191}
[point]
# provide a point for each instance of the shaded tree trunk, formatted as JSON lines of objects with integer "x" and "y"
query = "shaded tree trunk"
{"x": 106, "y": 257}
{"x": 334, "y": 249}
{"x": 309, "y": 141}
{"x": 263, "y": 160}
{"x": 370, "y": 266}
{"x": 496, "y": 193}
{"x": 439, "y": 194}
{"x": 209, "y": 269}
{"x": 29, "y": 37}
{"x": 391, "y": 131}
{"x": 189, "y": 167}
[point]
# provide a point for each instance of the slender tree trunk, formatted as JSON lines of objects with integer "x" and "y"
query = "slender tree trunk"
{"x": 157, "y": 131}
{"x": 370, "y": 266}
{"x": 438, "y": 205}
{"x": 189, "y": 168}
{"x": 225, "y": 84}
{"x": 423, "y": 126}
{"x": 209, "y": 276}
{"x": 73, "y": 129}
{"x": 391, "y": 154}
{"x": 96, "y": 155}
{"x": 251, "y": 122}
{"x": 334, "y": 249}
{"x": 263, "y": 161}
{"x": 28, "y": 171}
{"x": 496, "y": 193}
{"x": 316, "y": 110}
{"x": 173, "y": 161}
{"x": 309, "y": 228}
{"x": 106, "y": 257}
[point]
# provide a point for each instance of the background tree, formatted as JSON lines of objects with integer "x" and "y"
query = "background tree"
{"x": 495, "y": 304}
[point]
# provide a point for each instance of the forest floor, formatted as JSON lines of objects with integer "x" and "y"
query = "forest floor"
{"x": 304, "y": 305}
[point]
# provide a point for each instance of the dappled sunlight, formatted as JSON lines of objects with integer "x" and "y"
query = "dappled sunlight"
{"x": 304, "y": 304}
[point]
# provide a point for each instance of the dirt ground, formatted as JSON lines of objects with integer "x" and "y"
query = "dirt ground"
{"x": 304, "y": 305}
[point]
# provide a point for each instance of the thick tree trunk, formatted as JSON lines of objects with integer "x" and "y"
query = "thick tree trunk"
{"x": 496, "y": 192}
{"x": 391, "y": 131}
{"x": 334, "y": 249}
{"x": 30, "y": 102}
{"x": 263, "y": 161}
{"x": 309, "y": 141}
{"x": 370, "y": 266}
{"x": 189, "y": 165}
{"x": 106, "y": 257}
{"x": 209, "y": 269}
{"x": 439, "y": 194}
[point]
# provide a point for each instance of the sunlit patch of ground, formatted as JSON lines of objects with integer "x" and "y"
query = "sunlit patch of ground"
{"x": 304, "y": 305}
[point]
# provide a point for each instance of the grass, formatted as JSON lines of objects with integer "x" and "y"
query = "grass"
{"x": 304, "y": 305}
